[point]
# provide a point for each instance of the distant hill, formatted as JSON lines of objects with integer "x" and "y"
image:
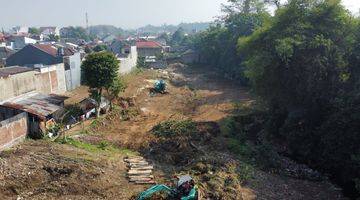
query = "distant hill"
{"x": 188, "y": 28}
{"x": 105, "y": 30}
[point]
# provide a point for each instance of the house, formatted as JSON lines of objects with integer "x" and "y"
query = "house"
{"x": 59, "y": 66}
{"x": 5, "y": 52}
{"x": 72, "y": 65}
{"x": 19, "y": 41}
{"x": 51, "y": 30}
{"x": 2, "y": 38}
{"x": 128, "y": 59}
{"x": 147, "y": 48}
{"x": 19, "y": 30}
{"x": 117, "y": 46}
{"x": 41, "y": 110}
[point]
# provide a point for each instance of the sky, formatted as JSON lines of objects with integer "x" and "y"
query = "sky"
{"x": 122, "y": 13}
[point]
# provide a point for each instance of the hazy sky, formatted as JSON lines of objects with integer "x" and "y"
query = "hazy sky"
{"x": 123, "y": 13}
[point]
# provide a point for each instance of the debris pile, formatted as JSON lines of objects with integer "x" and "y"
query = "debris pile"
{"x": 139, "y": 170}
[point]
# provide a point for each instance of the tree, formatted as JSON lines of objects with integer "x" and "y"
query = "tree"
{"x": 178, "y": 36}
{"x": 54, "y": 38}
{"x": 115, "y": 89}
{"x": 218, "y": 45}
{"x": 100, "y": 47}
{"x": 99, "y": 71}
{"x": 141, "y": 62}
{"x": 304, "y": 64}
{"x": 34, "y": 30}
{"x": 76, "y": 33}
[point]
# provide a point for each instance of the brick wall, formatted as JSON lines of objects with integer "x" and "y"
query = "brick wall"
{"x": 13, "y": 130}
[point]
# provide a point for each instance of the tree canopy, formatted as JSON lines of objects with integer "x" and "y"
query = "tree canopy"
{"x": 99, "y": 71}
{"x": 303, "y": 64}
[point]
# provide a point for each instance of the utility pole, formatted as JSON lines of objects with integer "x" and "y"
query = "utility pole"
{"x": 87, "y": 23}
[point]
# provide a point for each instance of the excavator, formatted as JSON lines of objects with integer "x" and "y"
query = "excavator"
{"x": 185, "y": 190}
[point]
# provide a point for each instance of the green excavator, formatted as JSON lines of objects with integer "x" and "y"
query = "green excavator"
{"x": 185, "y": 190}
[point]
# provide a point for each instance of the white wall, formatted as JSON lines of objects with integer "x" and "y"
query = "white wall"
{"x": 73, "y": 75}
{"x": 129, "y": 63}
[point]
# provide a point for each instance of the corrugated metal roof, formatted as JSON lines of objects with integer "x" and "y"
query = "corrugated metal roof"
{"x": 37, "y": 104}
{"x": 7, "y": 71}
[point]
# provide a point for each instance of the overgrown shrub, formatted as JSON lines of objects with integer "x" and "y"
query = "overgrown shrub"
{"x": 175, "y": 128}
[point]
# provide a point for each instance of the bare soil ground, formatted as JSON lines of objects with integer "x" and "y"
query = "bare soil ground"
{"x": 47, "y": 170}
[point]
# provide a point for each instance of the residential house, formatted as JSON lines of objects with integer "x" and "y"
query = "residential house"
{"x": 2, "y": 38}
{"x": 59, "y": 66}
{"x": 18, "y": 41}
{"x": 47, "y": 31}
{"x": 19, "y": 30}
{"x": 147, "y": 48}
{"x": 41, "y": 111}
{"x": 5, "y": 52}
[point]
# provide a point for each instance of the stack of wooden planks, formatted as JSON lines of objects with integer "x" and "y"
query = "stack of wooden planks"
{"x": 139, "y": 170}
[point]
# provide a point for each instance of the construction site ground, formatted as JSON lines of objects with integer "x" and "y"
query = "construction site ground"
{"x": 88, "y": 163}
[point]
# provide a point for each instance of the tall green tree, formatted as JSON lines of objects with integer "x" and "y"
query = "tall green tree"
{"x": 305, "y": 65}
{"x": 99, "y": 71}
{"x": 218, "y": 45}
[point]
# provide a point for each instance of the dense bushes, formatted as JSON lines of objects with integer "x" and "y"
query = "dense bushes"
{"x": 175, "y": 128}
{"x": 218, "y": 45}
{"x": 305, "y": 66}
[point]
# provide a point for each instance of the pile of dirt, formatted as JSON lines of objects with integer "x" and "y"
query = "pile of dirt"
{"x": 46, "y": 170}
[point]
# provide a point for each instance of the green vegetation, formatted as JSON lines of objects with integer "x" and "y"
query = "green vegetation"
{"x": 99, "y": 72}
{"x": 100, "y": 47}
{"x": 141, "y": 63}
{"x": 103, "y": 146}
{"x": 76, "y": 33}
{"x": 175, "y": 128}
{"x": 218, "y": 45}
{"x": 114, "y": 90}
{"x": 303, "y": 64}
{"x": 34, "y": 30}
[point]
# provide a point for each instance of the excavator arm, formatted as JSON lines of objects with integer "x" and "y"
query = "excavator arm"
{"x": 155, "y": 189}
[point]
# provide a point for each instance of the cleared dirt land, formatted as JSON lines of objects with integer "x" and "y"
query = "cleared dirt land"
{"x": 89, "y": 164}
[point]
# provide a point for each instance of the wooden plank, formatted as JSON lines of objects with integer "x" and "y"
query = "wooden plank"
{"x": 133, "y": 172}
{"x": 145, "y": 182}
{"x": 141, "y": 176}
{"x": 140, "y": 179}
{"x": 142, "y": 167}
{"x": 134, "y": 160}
{"x": 139, "y": 163}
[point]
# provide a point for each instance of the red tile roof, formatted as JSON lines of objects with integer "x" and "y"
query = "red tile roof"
{"x": 47, "y": 48}
{"x": 148, "y": 44}
{"x": 50, "y": 49}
